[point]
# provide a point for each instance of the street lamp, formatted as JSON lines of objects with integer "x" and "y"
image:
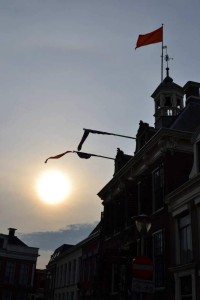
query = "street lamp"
{"x": 143, "y": 225}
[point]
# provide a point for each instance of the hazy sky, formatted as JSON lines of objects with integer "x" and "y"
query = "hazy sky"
{"x": 66, "y": 65}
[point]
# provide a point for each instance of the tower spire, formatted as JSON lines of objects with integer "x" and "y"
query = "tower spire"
{"x": 167, "y": 59}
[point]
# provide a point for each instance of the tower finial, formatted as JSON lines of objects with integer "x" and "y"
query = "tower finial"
{"x": 167, "y": 59}
{"x": 167, "y": 72}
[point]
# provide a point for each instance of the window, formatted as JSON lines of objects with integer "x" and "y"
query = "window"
{"x": 179, "y": 102}
{"x": 65, "y": 274}
{"x": 168, "y": 101}
{"x": 157, "y": 103}
{"x": 115, "y": 278}
{"x": 198, "y": 156}
{"x": 1, "y": 243}
{"x": 116, "y": 215}
{"x": 72, "y": 295}
{"x": 169, "y": 112}
{"x": 69, "y": 273}
{"x": 94, "y": 265}
{"x": 91, "y": 273}
{"x": 139, "y": 197}
{"x": 185, "y": 239}
{"x": 186, "y": 287}
{"x": 158, "y": 188}
{"x": 185, "y": 284}
{"x": 21, "y": 296}
{"x": 61, "y": 275}
{"x": 79, "y": 269}
{"x": 23, "y": 274}
{"x": 10, "y": 272}
{"x": 198, "y": 218}
{"x": 84, "y": 264}
{"x": 74, "y": 271}
{"x": 7, "y": 294}
{"x": 138, "y": 246}
{"x": 57, "y": 276}
{"x": 144, "y": 195}
{"x": 158, "y": 251}
{"x": 77, "y": 295}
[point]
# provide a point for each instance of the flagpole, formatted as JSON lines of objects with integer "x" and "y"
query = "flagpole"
{"x": 162, "y": 58}
{"x": 109, "y": 133}
{"x": 96, "y": 155}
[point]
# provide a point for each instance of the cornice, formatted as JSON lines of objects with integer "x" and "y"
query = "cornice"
{"x": 163, "y": 140}
{"x": 188, "y": 191}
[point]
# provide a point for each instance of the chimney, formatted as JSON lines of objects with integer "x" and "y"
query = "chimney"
{"x": 120, "y": 160}
{"x": 191, "y": 90}
{"x": 11, "y": 231}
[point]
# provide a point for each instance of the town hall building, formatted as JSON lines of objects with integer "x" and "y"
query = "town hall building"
{"x": 160, "y": 182}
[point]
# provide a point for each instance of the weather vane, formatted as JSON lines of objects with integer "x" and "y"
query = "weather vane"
{"x": 167, "y": 58}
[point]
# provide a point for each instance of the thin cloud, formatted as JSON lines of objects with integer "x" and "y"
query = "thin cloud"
{"x": 50, "y": 240}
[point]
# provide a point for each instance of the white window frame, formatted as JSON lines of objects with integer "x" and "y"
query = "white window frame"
{"x": 177, "y": 237}
{"x": 178, "y": 276}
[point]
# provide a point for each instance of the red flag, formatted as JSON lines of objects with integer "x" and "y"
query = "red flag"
{"x": 57, "y": 156}
{"x": 80, "y": 154}
{"x": 153, "y": 37}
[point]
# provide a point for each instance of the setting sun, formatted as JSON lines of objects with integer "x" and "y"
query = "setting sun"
{"x": 53, "y": 187}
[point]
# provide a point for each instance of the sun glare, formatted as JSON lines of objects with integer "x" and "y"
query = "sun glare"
{"x": 53, "y": 187}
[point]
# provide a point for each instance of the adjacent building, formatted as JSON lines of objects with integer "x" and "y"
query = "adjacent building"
{"x": 72, "y": 270}
{"x": 39, "y": 284}
{"x": 17, "y": 267}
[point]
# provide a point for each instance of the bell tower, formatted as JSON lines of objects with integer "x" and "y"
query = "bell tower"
{"x": 168, "y": 99}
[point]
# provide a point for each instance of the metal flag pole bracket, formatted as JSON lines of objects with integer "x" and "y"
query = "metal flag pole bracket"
{"x": 88, "y": 131}
{"x": 88, "y": 155}
{"x": 108, "y": 133}
{"x": 80, "y": 154}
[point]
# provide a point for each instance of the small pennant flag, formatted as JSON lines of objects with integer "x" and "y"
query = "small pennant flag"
{"x": 57, "y": 156}
{"x": 153, "y": 37}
